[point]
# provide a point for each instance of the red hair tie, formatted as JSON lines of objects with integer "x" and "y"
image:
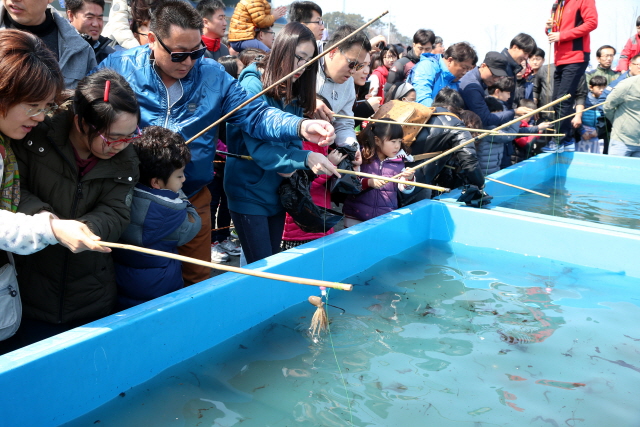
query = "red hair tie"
{"x": 107, "y": 88}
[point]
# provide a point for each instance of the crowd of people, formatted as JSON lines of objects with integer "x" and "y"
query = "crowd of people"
{"x": 101, "y": 136}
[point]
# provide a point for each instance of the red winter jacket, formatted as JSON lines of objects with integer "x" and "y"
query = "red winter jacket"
{"x": 631, "y": 49}
{"x": 321, "y": 197}
{"x": 574, "y": 21}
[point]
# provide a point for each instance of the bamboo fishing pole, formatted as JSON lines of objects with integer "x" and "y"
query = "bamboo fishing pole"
{"x": 486, "y": 133}
{"x": 579, "y": 112}
{"x": 362, "y": 174}
{"x": 422, "y": 125}
{"x": 398, "y": 181}
{"x": 516, "y": 186}
{"x": 507, "y": 184}
{"x": 248, "y": 272}
{"x": 282, "y": 80}
{"x": 530, "y": 134}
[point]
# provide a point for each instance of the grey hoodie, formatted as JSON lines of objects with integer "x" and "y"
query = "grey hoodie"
{"x": 76, "y": 57}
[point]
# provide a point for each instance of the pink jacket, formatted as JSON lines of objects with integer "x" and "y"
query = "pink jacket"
{"x": 321, "y": 197}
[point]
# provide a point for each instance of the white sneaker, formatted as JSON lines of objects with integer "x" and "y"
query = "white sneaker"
{"x": 218, "y": 254}
{"x": 230, "y": 247}
{"x": 553, "y": 147}
{"x": 569, "y": 146}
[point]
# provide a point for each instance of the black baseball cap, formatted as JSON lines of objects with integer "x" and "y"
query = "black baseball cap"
{"x": 497, "y": 63}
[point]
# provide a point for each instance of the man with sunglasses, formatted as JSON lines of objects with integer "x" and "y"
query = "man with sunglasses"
{"x": 335, "y": 81}
{"x": 179, "y": 90}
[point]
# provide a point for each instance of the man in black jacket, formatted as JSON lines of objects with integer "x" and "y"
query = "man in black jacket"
{"x": 521, "y": 48}
{"x": 423, "y": 41}
{"x": 86, "y": 16}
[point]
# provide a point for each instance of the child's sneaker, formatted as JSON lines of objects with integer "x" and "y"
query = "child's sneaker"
{"x": 569, "y": 146}
{"x": 218, "y": 254}
{"x": 230, "y": 247}
{"x": 554, "y": 147}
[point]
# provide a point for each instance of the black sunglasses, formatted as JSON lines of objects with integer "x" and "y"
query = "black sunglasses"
{"x": 182, "y": 56}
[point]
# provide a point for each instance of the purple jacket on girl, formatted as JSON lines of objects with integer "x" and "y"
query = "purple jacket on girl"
{"x": 372, "y": 202}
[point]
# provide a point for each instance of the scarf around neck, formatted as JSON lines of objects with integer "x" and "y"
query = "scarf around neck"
{"x": 10, "y": 188}
{"x": 212, "y": 44}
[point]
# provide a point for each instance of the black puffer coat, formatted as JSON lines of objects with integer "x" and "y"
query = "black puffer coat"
{"x": 58, "y": 286}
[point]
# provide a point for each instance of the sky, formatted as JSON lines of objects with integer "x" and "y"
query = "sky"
{"x": 489, "y": 24}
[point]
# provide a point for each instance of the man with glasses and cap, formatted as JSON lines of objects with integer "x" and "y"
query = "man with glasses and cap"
{"x": 335, "y": 88}
{"x": 474, "y": 84}
{"x": 179, "y": 90}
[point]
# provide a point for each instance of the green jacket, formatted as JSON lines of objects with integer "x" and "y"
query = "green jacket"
{"x": 623, "y": 110}
{"x": 58, "y": 286}
{"x": 607, "y": 73}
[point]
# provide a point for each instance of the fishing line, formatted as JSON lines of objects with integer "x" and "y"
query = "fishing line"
{"x": 335, "y": 356}
{"x": 333, "y": 349}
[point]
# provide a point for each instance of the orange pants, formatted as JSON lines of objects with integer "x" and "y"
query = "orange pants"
{"x": 200, "y": 246}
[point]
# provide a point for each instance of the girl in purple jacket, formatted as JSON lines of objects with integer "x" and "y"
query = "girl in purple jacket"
{"x": 383, "y": 154}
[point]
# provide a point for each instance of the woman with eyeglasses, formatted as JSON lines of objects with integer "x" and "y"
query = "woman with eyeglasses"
{"x": 30, "y": 85}
{"x": 378, "y": 79}
{"x": 252, "y": 185}
{"x": 78, "y": 164}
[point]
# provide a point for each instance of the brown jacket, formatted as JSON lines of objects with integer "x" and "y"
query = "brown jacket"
{"x": 58, "y": 286}
{"x": 249, "y": 15}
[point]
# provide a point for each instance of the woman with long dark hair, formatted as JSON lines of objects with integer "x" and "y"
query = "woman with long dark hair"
{"x": 251, "y": 186}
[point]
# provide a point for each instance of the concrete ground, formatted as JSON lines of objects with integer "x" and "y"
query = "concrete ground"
{"x": 235, "y": 260}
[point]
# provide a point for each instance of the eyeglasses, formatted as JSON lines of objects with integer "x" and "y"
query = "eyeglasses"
{"x": 607, "y": 56}
{"x": 318, "y": 22}
{"x": 301, "y": 60}
{"x": 126, "y": 140}
{"x": 182, "y": 56}
{"x": 33, "y": 111}
{"x": 637, "y": 64}
{"x": 267, "y": 32}
{"x": 353, "y": 64}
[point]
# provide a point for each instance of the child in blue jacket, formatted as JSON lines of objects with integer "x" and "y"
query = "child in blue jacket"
{"x": 160, "y": 219}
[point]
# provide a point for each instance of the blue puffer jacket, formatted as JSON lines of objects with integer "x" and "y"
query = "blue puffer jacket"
{"x": 208, "y": 94}
{"x": 252, "y": 186}
{"x": 159, "y": 220}
{"x": 491, "y": 149}
{"x": 429, "y": 76}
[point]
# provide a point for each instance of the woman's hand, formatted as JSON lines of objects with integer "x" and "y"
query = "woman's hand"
{"x": 319, "y": 164}
{"x": 357, "y": 161}
{"x": 318, "y": 131}
{"x": 322, "y": 112}
{"x": 76, "y": 236}
{"x": 336, "y": 157}
{"x": 554, "y": 37}
{"x": 376, "y": 183}
{"x": 407, "y": 174}
{"x": 374, "y": 101}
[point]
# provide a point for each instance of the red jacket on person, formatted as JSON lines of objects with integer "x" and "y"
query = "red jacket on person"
{"x": 631, "y": 49}
{"x": 574, "y": 19}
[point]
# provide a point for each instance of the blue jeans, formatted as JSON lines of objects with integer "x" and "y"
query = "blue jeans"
{"x": 247, "y": 44}
{"x": 260, "y": 235}
{"x": 619, "y": 148}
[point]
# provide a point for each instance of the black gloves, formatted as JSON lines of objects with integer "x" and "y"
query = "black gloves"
{"x": 475, "y": 197}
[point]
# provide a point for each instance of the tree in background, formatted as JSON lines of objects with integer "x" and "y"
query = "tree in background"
{"x": 333, "y": 20}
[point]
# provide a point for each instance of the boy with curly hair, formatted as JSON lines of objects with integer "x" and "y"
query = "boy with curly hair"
{"x": 160, "y": 219}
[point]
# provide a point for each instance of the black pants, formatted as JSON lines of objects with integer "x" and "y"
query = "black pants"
{"x": 566, "y": 80}
{"x": 260, "y": 235}
{"x": 219, "y": 206}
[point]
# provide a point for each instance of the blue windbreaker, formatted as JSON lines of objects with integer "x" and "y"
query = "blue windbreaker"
{"x": 429, "y": 76}
{"x": 208, "y": 94}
